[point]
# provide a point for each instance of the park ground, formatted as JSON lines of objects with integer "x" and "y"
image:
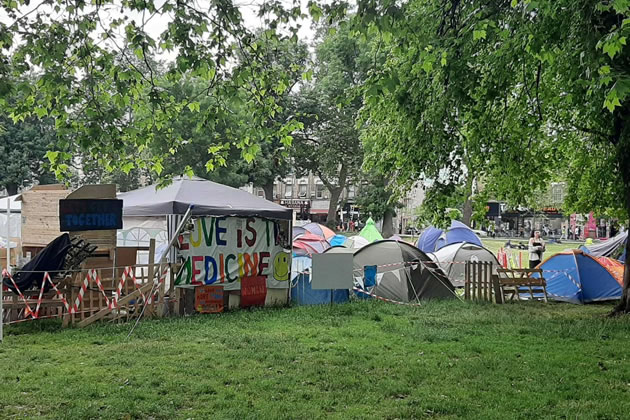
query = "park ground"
{"x": 368, "y": 359}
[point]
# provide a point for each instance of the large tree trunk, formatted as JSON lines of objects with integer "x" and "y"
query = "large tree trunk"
{"x": 622, "y": 133}
{"x": 268, "y": 189}
{"x": 388, "y": 225}
{"x": 335, "y": 193}
{"x": 468, "y": 210}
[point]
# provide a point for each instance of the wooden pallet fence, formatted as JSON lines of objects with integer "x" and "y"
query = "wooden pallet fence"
{"x": 480, "y": 282}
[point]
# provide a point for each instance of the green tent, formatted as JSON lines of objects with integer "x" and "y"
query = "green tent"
{"x": 370, "y": 232}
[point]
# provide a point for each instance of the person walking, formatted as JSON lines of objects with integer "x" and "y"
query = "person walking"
{"x": 536, "y": 248}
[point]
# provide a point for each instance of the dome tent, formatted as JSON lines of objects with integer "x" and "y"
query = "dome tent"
{"x": 452, "y": 259}
{"x": 403, "y": 273}
{"x": 309, "y": 243}
{"x": 432, "y": 238}
{"x": 575, "y": 277}
{"x": 613, "y": 247}
{"x": 337, "y": 240}
{"x": 319, "y": 230}
{"x": 356, "y": 242}
{"x": 370, "y": 232}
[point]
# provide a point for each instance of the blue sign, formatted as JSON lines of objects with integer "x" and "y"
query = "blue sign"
{"x": 90, "y": 214}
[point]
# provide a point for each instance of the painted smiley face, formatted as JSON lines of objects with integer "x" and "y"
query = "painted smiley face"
{"x": 281, "y": 266}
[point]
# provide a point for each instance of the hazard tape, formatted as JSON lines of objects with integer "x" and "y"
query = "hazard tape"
{"x": 29, "y": 311}
{"x": 91, "y": 277}
{"x": 358, "y": 289}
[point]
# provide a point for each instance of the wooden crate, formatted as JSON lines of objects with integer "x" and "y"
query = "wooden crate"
{"x": 40, "y": 214}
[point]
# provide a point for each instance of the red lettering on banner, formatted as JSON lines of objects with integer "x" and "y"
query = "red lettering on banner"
{"x": 250, "y": 264}
{"x": 250, "y": 241}
{"x": 195, "y": 270}
{"x": 263, "y": 264}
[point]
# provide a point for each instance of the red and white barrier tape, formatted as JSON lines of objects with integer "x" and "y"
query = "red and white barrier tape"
{"x": 358, "y": 289}
{"x": 92, "y": 276}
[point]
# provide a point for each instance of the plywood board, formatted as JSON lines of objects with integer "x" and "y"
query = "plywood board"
{"x": 94, "y": 191}
{"x": 332, "y": 271}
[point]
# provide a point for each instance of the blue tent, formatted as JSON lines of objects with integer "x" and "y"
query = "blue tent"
{"x": 337, "y": 240}
{"x": 459, "y": 232}
{"x": 428, "y": 239}
{"x": 433, "y": 238}
{"x": 301, "y": 291}
{"x": 575, "y": 277}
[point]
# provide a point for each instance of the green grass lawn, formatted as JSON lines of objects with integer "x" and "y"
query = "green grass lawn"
{"x": 358, "y": 360}
{"x": 494, "y": 245}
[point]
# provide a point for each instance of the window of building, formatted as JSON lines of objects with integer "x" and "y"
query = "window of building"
{"x": 351, "y": 191}
{"x": 302, "y": 190}
{"x": 288, "y": 191}
{"x": 319, "y": 191}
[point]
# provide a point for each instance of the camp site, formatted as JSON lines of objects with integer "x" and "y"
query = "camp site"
{"x": 317, "y": 209}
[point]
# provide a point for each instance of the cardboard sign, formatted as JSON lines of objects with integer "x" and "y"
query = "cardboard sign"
{"x": 253, "y": 291}
{"x": 209, "y": 299}
{"x": 89, "y": 214}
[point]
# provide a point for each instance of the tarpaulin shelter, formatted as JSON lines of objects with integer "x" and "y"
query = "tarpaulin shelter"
{"x": 452, "y": 259}
{"x": 403, "y": 272}
{"x": 320, "y": 230}
{"x": 370, "y": 232}
{"x": 613, "y": 247}
{"x": 433, "y": 238}
{"x": 575, "y": 277}
{"x": 209, "y": 199}
{"x": 301, "y": 291}
{"x": 356, "y": 242}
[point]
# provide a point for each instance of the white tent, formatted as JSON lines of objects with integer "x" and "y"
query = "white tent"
{"x": 15, "y": 219}
{"x": 452, "y": 259}
{"x": 356, "y": 242}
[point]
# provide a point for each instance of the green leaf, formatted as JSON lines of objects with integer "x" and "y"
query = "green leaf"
{"x": 479, "y": 34}
{"x": 52, "y": 156}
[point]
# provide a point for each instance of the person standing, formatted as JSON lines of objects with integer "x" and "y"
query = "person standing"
{"x": 536, "y": 248}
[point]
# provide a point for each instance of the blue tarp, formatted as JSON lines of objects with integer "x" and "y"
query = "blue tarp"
{"x": 301, "y": 292}
{"x": 576, "y": 277}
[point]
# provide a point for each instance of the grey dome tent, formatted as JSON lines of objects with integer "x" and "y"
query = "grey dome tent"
{"x": 452, "y": 259}
{"x": 403, "y": 273}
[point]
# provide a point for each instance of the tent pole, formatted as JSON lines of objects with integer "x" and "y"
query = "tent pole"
{"x": 8, "y": 235}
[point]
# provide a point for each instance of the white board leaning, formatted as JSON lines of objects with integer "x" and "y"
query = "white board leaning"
{"x": 332, "y": 271}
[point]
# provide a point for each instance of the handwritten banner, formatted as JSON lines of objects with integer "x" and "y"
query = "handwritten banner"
{"x": 224, "y": 250}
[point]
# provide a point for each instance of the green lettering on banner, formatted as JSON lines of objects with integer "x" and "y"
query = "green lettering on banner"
{"x": 188, "y": 269}
{"x": 208, "y": 237}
